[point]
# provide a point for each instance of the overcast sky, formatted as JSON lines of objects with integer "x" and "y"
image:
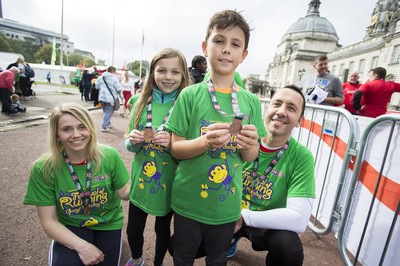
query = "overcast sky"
{"x": 181, "y": 24}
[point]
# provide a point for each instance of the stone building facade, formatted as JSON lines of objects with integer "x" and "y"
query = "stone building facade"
{"x": 313, "y": 35}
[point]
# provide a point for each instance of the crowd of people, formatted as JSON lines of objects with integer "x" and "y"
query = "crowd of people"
{"x": 369, "y": 99}
{"x": 203, "y": 155}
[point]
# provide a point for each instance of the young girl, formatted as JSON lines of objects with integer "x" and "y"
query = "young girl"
{"x": 153, "y": 168}
{"x": 77, "y": 189}
{"x": 128, "y": 90}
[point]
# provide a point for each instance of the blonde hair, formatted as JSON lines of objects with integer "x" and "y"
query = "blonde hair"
{"x": 150, "y": 82}
{"x": 53, "y": 158}
{"x": 14, "y": 97}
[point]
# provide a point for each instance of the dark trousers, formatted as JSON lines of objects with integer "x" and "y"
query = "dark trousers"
{"x": 86, "y": 91}
{"x": 109, "y": 242}
{"x": 188, "y": 237}
{"x": 5, "y": 100}
{"x": 135, "y": 229}
{"x": 23, "y": 84}
{"x": 284, "y": 247}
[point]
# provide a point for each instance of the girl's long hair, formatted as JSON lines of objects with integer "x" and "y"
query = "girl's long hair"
{"x": 150, "y": 83}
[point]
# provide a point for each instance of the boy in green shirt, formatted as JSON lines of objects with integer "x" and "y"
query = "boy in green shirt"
{"x": 215, "y": 125}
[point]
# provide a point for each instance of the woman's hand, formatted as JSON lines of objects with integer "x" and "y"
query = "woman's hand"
{"x": 90, "y": 254}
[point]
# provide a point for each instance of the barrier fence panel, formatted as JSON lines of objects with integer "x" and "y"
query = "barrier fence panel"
{"x": 370, "y": 228}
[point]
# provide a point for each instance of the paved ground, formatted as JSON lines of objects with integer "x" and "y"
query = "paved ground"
{"x": 24, "y": 138}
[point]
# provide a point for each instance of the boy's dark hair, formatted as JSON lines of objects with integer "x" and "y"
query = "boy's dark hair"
{"x": 298, "y": 90}
{"x": 229, "y": 19}
{"x": 320, "y": 58}
{"x": 380, "y": 71}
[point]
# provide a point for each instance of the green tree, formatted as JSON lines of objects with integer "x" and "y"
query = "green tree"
{"x": 135, "y": 67}
{"x": 4, "y": 45}
{"x": 44, "y": 54}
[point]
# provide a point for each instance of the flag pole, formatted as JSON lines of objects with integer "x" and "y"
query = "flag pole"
{"x": 113, "y": 39}
{"x": 61, "y": 45}
{"x": 141, "y": 56}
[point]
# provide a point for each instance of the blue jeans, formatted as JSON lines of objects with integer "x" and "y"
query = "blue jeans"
{"x": 108, "y": 110}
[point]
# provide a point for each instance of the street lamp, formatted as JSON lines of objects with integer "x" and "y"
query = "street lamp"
{"x": 301, "y": 73}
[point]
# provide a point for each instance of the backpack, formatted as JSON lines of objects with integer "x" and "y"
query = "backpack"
{"x": 29, "y": 72}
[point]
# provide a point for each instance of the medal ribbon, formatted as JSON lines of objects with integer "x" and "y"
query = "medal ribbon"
{"x": 235, "y": 105}
{"x": 149, "y": 117}
{"x": 85, "y": 195}
{"x": 268, "y": 169}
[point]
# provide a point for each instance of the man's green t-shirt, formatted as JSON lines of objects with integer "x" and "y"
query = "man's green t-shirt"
{"x": 292, "y": 176}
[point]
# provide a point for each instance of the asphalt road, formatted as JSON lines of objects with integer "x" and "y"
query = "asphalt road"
{"x": 24, "y": 138}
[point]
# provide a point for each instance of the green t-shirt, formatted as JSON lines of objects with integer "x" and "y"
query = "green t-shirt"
{"x": 134, "y": 99}
{"x": 208, "y": 188}
{"x": 105, "y": 205}
{"x": 153, "y": 169}
{"x": 292, "y": 176}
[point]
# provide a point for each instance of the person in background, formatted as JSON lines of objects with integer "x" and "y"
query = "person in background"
{"x": 86, "y": 84}
{"x": 23, "y": 80}
{"x": 215, "y": 126}
{"x": 48, "y": 77}
{"x": 109, "y": 88}
{"x": 323, "y": 87}
{"x": 7, "y": 78}
{"x": 198, "y": 68}
{"x": 372, "y": 97}
{"x": 279, "y": 186}
{"x": 16, "y": 105}
{"x": 348, "y": 90}
{"x": 15, "y": 64}
{"x": 128, "y": 89}
{"x": 153, "y": 167}
{"x": 77, "y": 187}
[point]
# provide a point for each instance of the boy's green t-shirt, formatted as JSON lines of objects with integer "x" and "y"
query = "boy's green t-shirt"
{"x": 292, "y": 176}
{"x": 106, "y": 211}
{"x": 208, "y": 188}
{"x": 153, "y": 169}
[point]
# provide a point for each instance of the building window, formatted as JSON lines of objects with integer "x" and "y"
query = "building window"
{"x": 351, "y": 66}
{"x": 334, "y": 70}
{"x": 361, "y": 66}
{"x": 396, "y": 55}
{"x": 374, "y": 62}
{"x": 341, "y": 69}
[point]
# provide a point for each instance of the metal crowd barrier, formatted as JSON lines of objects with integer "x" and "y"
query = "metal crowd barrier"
{"x": 391, "y": 239}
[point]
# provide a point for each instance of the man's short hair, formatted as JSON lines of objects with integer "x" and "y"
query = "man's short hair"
{"x": 320, "y": 58}
{"x": 228, "y": 19}
{"x": 299, "y": 91}
{"x": 111, "y": 69}
{"x": 197, "y": 59}
{"x": 380, "y": 71}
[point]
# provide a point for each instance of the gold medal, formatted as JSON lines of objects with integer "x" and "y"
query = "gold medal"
{"x": 236, "y": 125}
{"x": 148, "y": 134}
